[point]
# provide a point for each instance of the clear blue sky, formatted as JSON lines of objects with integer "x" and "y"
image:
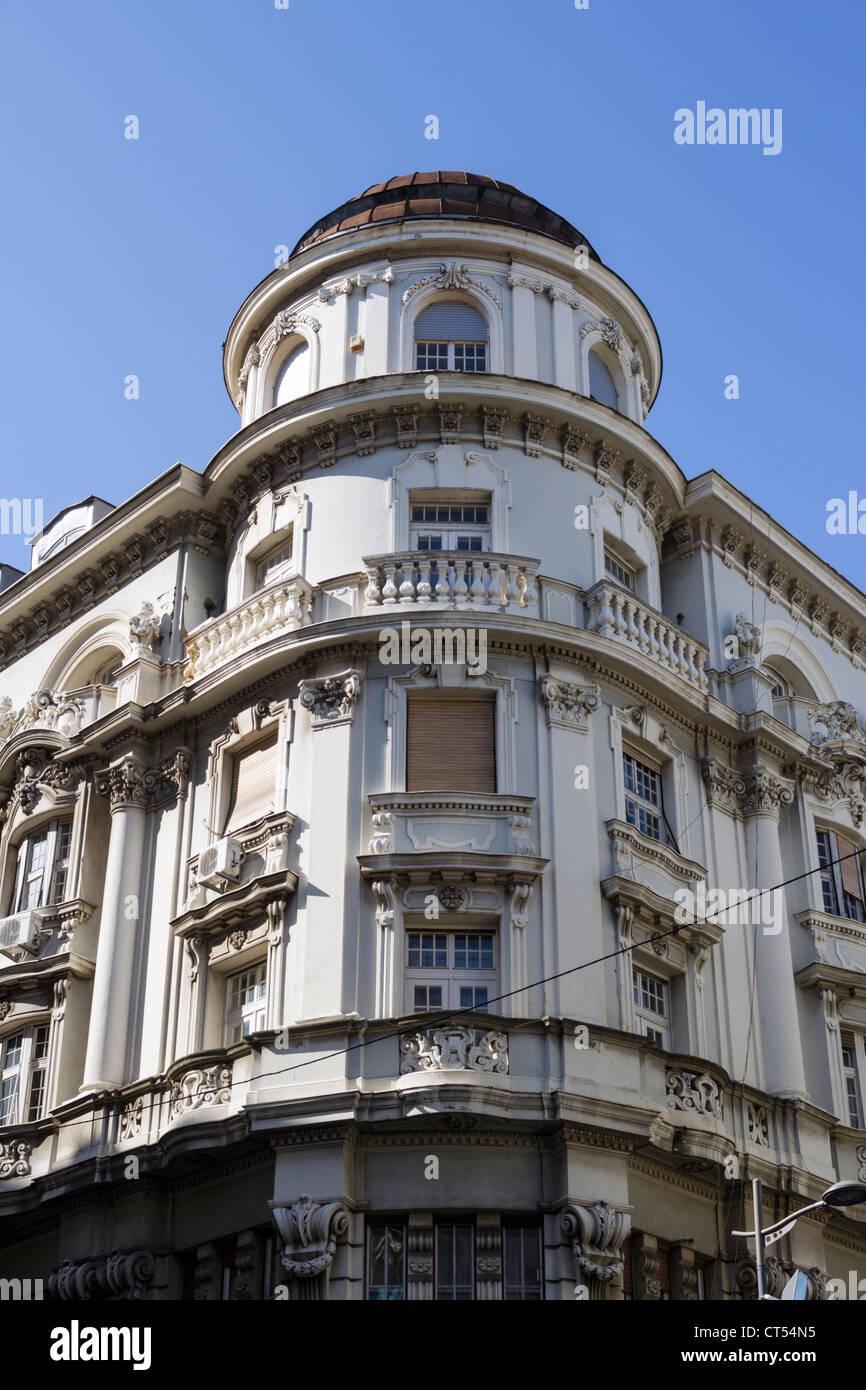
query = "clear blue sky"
{"x": 126, "y": 256}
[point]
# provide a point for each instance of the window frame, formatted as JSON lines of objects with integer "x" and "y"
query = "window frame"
{"x": 432, "y": 347}
{"x": 451, "y": 532}
{"x": 527, "y": 1292}
{"x": 853, "y": 1074}
{"x": 652, "y": 1023}
{"x": 386, "y": 1225}
{"x": 31, "y": 1064}
{"x": 627, "y": 579}
{"x": 835, "y": 897}
{"x": 236, "y": 1017}
{"x": 285, "y": 569}
{"x": 450, "y": 977}
{"x": 644, "y": 805}
{"x": 54, "y": 868}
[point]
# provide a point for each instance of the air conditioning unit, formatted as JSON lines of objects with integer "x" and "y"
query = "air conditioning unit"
{"x": 20, "y": 933}
{"x": 219, "y": 862}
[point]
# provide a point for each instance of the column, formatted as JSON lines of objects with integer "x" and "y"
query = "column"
{"x": 778, "y": 1050}
{"x": 112, "y": 1004}
{"x": 564, "y": 370}
{"x": 330, "y": 935}
{"x": 525, "y": 352}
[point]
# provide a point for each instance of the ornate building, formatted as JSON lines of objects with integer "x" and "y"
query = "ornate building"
{"x": 441, "y": 681}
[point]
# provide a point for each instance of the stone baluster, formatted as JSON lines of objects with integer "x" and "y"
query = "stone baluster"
{"x": 407, "y": 583}
{"x": 389, "y": 589}
{"x": 494, "y": 586}
{"x": 373, "y": 592}
{"x": 618, "y": 618}
{"x": 461, "y": 588}
{"x": 443, "y": 586}
{"x": 476, "y": 588}
{"x": 423, "y": 587}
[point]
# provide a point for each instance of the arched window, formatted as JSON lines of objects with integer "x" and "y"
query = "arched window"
{"x": 293, "y": 379}
{"x": 451, "y": 336}
{"x": 601, "y": 383}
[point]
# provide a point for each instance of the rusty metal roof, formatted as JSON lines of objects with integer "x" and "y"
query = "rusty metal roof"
{"x": 444, "y": 193}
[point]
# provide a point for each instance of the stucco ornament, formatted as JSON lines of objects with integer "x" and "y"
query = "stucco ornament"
{"x": 454, "y": 1048}
{"x": 836, "y": 721}
{"x": 744, "y": 641}
{"x": 144, "y": 627}
{"x": 597, "y": 1233}
{"x": 309, "y": 1231}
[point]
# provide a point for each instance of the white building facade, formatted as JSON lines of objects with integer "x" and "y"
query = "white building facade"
{"x": 329, "y": 772}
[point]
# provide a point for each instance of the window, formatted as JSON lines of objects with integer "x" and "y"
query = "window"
{"x": 601, "y": 383}
{"x": 450, "y": 526}
{"x": 643, "y": 798}
{"x": 386, "y": 1261}
{"x": 253, "y": 787}
{"x": 522, "y": 1265}
{"x": 293, "y": 379}
{"x": 276, "y": 565}
{"x": 841, "y": 876}
{"x": 450, "y": 970}
{"x": 43, "y": 866}
{"x": 615, "y": 569}
{"x": 651, "y": 1006}
{"x": 245, "y": 1003}
{"x": 23, "y": 1072}
{"x": 850, "y": 1076}
{"x": 450, "y": 336}
{"x": 455, "y": 1262}
{"x": 106, "y": 672}
{"x": 450, "y": 745}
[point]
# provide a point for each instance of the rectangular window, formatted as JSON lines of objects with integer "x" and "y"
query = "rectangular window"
{"x": 522, "y": 1264}
{"x": 277, "y": 564}
{"x": 23, "y": 1075}
{"x": 617, "y": 571}
{"x": 38, "y": 1073}
{"x": 245, "y": 1002}
{"x": 841, "y": 870}
{"x": 450, "y": 970}
{"x": 455, "y": 357}
{"x": 253, "y": 787}
{"x": 651, "y": 1006}
{"x": 850, "y": 1076}
{"x": 43, "y": 866}
{"x": 455, "y": 1261}
{"x": 450, "y": 745}
{"x": 386, "y": 1261}
{"x": 643, "y": 798}
{"x": 450, "y": 525}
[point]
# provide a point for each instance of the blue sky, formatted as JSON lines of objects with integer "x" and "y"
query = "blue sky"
{"x": 122, "y": 257}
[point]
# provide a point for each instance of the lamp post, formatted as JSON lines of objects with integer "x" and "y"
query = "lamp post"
{"x": 841, "y": 1194}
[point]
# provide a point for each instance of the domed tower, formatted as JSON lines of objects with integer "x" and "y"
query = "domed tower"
{"x": 365, "y": 798}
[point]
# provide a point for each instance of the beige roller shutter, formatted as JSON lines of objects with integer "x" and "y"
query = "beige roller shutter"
{"x": 848, "y": 867}
{"x": 254, "y": 779}
{"x": 450, "y": 745}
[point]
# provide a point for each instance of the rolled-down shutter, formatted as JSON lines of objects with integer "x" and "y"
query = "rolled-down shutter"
{"x": 847, "y": 854}
{"x": 254, "y": 778}
{"x": 450, "y": 746}
{"x": 451, "y": 321}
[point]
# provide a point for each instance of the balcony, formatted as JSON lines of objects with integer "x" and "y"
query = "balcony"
{"x": 452, "y": 580}
{"x": 269, "y": 613}
{"x": 617, "y": 614}
{"x": 415, "y": 822}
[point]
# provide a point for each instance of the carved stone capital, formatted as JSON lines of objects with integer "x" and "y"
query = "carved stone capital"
{"x": 124, "y": 1274}
{"x": 766, "y": 793}
{"x": 568, "y": 705}
{"x": 309, "y": 1231}
{"x": 597, "y": 1233}
{"x": 331, "y": 699}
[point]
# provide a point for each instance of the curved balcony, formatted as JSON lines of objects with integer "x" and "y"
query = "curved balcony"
{"x": 278, "y": 609}
{"x": 616, "y": 613}
{"x": 452, "y": 579}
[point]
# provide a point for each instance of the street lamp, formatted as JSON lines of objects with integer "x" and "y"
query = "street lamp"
{"x": 841, "y": 1194}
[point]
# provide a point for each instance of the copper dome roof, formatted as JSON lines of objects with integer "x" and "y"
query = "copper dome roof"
{"x": 444, "y": 193}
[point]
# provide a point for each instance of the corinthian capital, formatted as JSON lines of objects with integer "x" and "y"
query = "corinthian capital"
{"x": 765, "y": 793}
{"x": 331, "y": 699}
{"x": 125, "y": 783}
{"x": 568, "y": 705}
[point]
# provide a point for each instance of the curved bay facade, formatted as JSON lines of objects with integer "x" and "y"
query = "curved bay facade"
{"x": 324, "y": 770}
